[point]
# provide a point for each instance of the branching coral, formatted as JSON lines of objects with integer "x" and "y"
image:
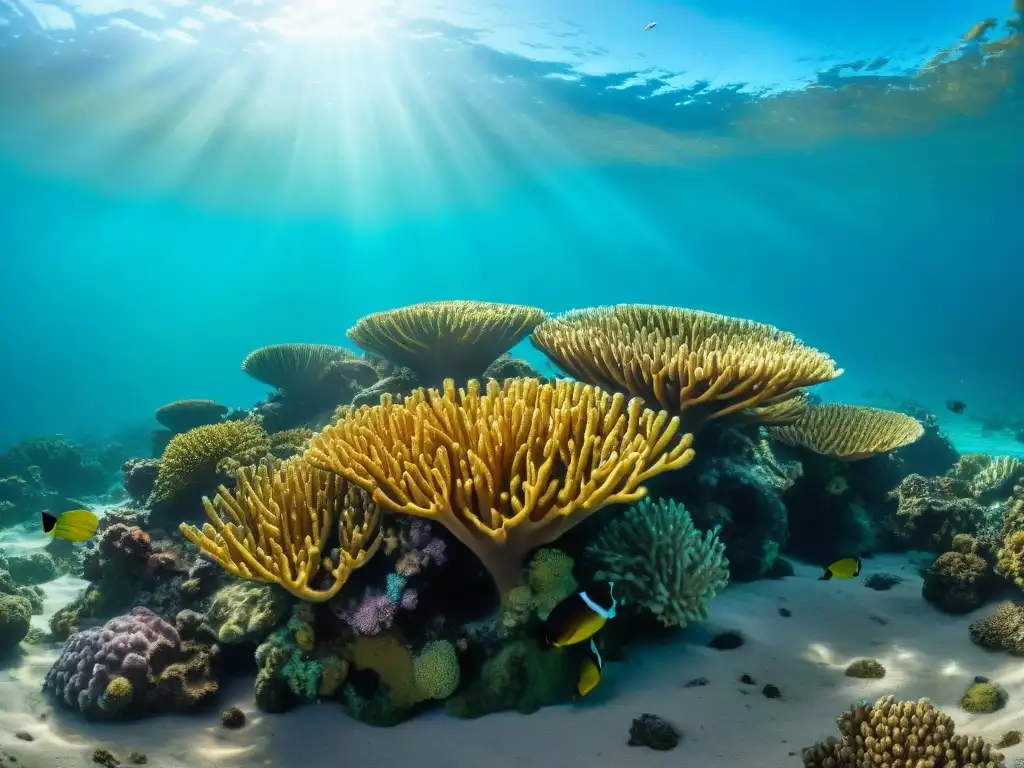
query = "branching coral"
{"x": 660, "y": 563}
{"x": 507, "y": 469}
{"x": 849, "y": 432}
{"x": 183, "y": 415}
{"x": 894, "y": 733}
{"x": 697, "y": 364}
{"x": 277, "y": 528}
{"x": 440, "y": 339}
{"x": 293, "y": 367}
{"x": 192, "y": 457}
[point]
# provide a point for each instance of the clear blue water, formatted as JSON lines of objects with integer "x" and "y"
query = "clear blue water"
{"x": 184, "y": 182}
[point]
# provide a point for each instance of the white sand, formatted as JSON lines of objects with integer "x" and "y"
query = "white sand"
{"x": 725, "y": 723}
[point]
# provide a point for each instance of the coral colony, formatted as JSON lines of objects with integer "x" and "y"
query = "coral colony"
{"x": 390, "y": 530}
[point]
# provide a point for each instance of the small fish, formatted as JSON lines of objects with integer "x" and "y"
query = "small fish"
{"x": 590, "y": 671}
{"x": 73, "y": 525}
{"x": 956, "y": 406}
{"x": 652, "y": 25}
{"x": 846, "y": 568}
{"x": 579, "y": 616}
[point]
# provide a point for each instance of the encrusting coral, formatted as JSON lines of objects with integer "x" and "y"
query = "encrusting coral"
{"x": 849, "y": 432}
{"x": 959, "y": 580}
{"x": 277, "y": 527}
{"x": 183, "y": 415}
{"x": 699, "y": 365}
{"x": 193, "y": 457}
{"x": 1003, "y": 630}
{"x": 899, "y": 733}
{"x": 660, "y": 562}
{"x": 445, "y": 339}
{"x": 505, "y": 469}
{"x": 244, "y": 612}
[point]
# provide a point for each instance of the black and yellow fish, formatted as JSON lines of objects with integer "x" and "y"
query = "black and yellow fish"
{"x": 846, "y": 568}
{"x": 579, "y": 616}
{"x": 590, "y": 671}
{"x": 73, "y": 525}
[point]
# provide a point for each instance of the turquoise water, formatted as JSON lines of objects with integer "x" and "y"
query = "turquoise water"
{"x": 183, "y": 183}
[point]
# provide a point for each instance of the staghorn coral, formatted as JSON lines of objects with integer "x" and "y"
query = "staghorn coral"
{"x": 183, "y": 415}
{"x": 697, "y": 364}
{"x": 293, "y": 367}
{"x": 899, "y": 733}
{"x": 660, "y": 563}
{"x": 849, "y": 432}
{"x": 1002, "y": 630}
{"x": 442, "y": 339}
{"x": 507, "y": 469}
{"x": 277, "y": 525}
{"x": 192, "y": 457}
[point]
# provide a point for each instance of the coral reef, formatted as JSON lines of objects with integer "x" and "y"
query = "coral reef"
{"x": 891, "y": 732}
{"x": 133, "y": 665}
{"x": 1003, "y": 630}
{"x": 244, "y": 612}
{"x": 698, "y": 365}
{"x": 959, "y": 580}
{"x": 866, "y": 669}
{"x": 983, "y": 698}
{"x": 516, "y": 503}
{"x": 660, "y": 563}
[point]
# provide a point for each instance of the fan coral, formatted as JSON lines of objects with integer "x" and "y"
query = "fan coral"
{"x": 441, "y": 339}
{"x": 293, "y": 367}
{"x": 660, "y": 562}
{"x": 507, "y": 469}
{"x": 113, "y": 670}
{"x": 191, "y": 458}
{"x": 1003, "y": 630}
{"x": 894, "y": 733}
{"x": 849, "y": 432}
{"x": 277, "y": 528}
{"x": 183, "y": 415}
{"x": 699, "y": 365}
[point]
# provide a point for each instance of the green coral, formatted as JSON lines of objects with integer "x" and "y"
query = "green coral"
{"x": 519, "y": 676}
{"x": 436, "y": 670}
{"x": 983, "y": 698}
{"x": 31, "y": 568}
{"x": 866, "y": 669}
{"x": 192, "y": 457}
{"x": 15, "y": 621}
{"x": 660, "y": 562}
{"x": 550, "y": 579}
{"x": 290, "y": 671}
{"x": 32, "y": 595}
{"x": 246, "y": 612}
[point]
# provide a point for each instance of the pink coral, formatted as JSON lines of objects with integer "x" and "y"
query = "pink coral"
{"x": 374, "y": 614}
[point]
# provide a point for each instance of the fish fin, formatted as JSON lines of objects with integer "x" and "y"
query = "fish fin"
{"x": 76, "y": 525}
{"x": 826, "y": 575}
{"x": 48, "y": 522}
{"x": 856, "y": 571}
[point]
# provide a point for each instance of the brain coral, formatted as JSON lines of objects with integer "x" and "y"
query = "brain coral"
{"x": 108, "y": 671}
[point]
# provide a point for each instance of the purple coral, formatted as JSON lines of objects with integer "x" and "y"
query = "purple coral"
{"x": 128, "y": 646}
{"x": 373, "y": 614}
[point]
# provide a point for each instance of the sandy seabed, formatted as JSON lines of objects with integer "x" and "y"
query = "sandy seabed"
{"x": 724, "y": 723}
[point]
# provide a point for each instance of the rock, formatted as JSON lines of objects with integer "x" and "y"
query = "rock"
{"x": 25, "y": 736}
{"x": 104, "y": 757}
{"x": 651, "y": 731}
{"x": 232, "y": 717}
{"x": 747, "y": 679}
{"x": 881, "y": 581}
{"x": 785, "y": 613}
{"x": 771, "y": 692}
{"x": 697, "y": 682}
{"x": 726, "y": 641}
